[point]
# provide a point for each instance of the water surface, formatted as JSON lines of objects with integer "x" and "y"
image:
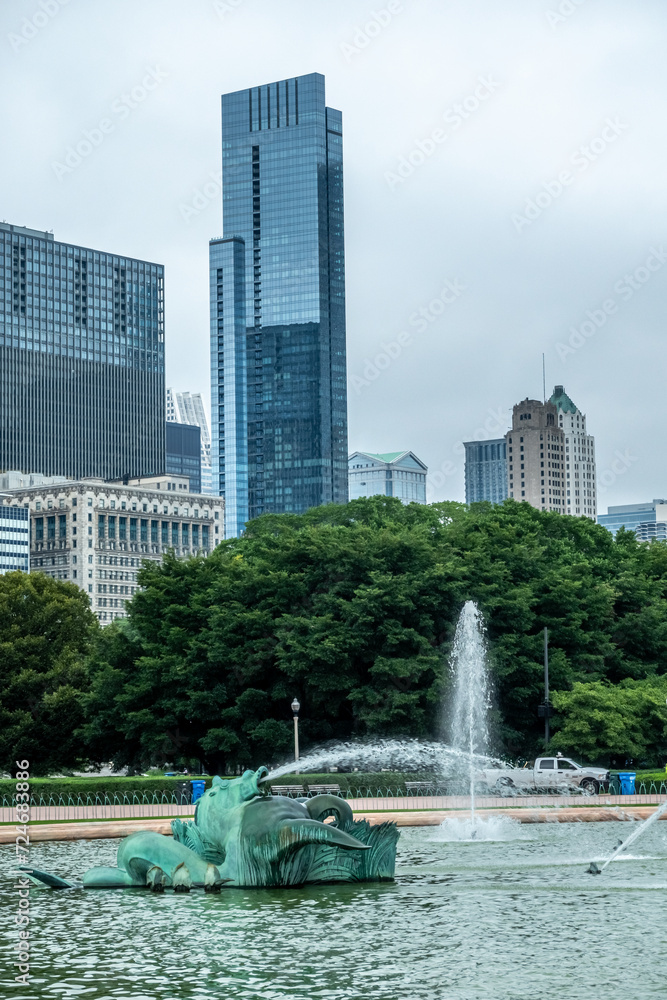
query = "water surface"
{"x": 515, "y": 919}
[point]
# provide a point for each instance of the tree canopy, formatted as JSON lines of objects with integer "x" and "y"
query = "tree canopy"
{"x": 353, "y": 608}
{"x": 46, "y": 629}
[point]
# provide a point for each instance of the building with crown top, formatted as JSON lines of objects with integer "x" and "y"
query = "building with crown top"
{"x": 536, "y": 456}
{"x": 580, "y": 475}
{"x": 551, "y": 457}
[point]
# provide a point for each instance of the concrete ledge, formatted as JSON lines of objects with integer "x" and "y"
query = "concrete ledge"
{"x": 121, "y": 828}
{"x": 85, "y": 831}
{"x": 566, "y": 815}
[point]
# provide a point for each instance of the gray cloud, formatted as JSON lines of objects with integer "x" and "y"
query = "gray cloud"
{"x": 563, "y": 69}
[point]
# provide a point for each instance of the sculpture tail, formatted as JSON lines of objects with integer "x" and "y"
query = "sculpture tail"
{"x": 311, "y": 831}
{"x": 45, "y": 878}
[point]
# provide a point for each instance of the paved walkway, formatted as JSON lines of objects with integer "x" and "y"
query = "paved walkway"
{"x": 121, "y": 828}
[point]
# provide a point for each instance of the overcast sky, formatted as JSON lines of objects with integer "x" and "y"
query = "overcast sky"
{"x": 504, "y": 181}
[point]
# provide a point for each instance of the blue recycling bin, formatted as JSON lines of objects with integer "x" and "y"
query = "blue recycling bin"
{"x": 627, "y": 780}
{"x": 198, "y": 789}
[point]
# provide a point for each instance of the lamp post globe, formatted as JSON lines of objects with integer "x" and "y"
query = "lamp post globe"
{"x": 296, "y": 705}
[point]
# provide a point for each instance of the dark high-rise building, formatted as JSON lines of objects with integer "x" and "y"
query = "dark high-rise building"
{"x": 81, "y": 360}
{"x": 277, "y": 278}
{"x": 183, "y": 456}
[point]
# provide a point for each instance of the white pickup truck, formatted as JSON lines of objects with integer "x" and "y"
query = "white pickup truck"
{"x": 546, "y": 774}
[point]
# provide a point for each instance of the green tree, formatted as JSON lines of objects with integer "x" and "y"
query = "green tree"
{"x": 601, "y": 720}
{"x": 353, "y": 608}
{"x": 46, "y": 628}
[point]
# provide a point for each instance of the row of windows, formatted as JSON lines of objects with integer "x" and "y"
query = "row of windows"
{"x": 165, "y": 532}
{"x": 133, "y": 505}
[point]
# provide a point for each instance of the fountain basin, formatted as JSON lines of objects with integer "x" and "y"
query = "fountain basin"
{"x": 461, "y": 922}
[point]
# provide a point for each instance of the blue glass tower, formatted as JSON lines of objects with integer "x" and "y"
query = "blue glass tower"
{"x": 278, "y": 370}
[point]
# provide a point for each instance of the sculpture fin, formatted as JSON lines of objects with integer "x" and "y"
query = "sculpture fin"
{"x": 311, "y": 831}
{"x": 181, "y": 879}
{"x": 212, "y": 880}
{"x": 156, "y": 879}
{"x": 111, "y": 878}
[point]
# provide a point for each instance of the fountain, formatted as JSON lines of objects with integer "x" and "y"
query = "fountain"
{"x": 468, "y": 724}
{"x": 326, "y": 938}
{"x": 622, "y": 845}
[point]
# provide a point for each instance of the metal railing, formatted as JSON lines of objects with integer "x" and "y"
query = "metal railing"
{"x": 54, "y": 813}
{"x": 95, "y": 813}
{"x": 102, "y": 799}
{"x": 361, "y": 792}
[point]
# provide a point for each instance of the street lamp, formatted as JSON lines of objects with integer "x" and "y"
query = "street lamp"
{"x": 295, "y": 711}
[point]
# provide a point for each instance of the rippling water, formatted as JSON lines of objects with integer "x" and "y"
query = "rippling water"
{"x": 516, "y": 920}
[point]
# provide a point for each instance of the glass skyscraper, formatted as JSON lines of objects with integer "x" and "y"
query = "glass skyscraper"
{"x": 277, "y": 282}
{"x": 81, "y": 360}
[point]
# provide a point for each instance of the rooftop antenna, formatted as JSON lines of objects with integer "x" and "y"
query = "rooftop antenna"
{"x": 544, "y": 380}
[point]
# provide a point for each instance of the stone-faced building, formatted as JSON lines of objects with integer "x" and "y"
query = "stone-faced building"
{"x": 97, "y": 534}
{"x": 536, "y": 456}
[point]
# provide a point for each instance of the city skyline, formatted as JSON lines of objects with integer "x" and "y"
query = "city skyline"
{"x": 584, "y": 284}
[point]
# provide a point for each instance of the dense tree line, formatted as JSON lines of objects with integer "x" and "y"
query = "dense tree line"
{"x": 353, "y": 609}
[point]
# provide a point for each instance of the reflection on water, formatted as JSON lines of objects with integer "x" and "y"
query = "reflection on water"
{"x": 476, "y": 920}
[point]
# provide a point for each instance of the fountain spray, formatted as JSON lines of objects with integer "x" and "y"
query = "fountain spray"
{"x": 637, "y": 832}
{"x": 469, "y": 726}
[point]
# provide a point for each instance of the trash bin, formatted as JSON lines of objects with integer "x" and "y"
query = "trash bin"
{"x": 198, "y": 789}
{"x": 627, "y": 780}
{"x": 183, "y": 793}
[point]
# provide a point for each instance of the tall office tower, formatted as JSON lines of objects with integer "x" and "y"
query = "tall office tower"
{"x": 277, "y": 281}
{"x": 82, "y": 360}
{"x": 536, "y": 456}
{"x": 579, "y": 456}
{"x": 188, "y": 408}
{"x": 486, "y": 470}
{"x": 396, "y": 474}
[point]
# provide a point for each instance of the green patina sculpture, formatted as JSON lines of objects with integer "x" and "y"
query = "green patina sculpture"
{"x": 243, "y": 836}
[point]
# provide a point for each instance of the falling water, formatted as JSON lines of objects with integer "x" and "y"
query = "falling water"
{"x": 418, "y": 756}
{"x": 471, "y": 702}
